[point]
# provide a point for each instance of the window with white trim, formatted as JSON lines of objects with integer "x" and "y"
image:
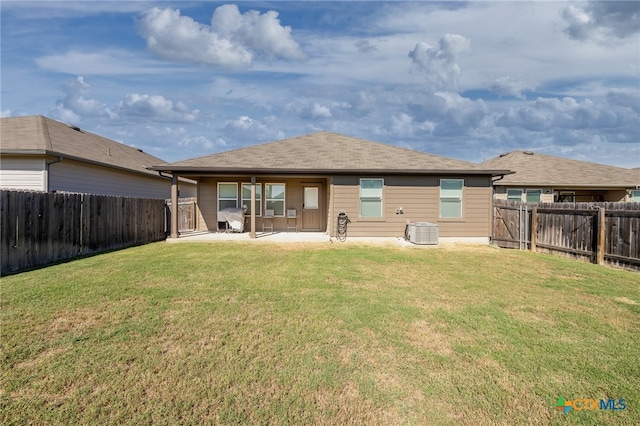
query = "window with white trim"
{"x": 274, "y": 194}
{"x": 371, "y": 198}
{"x": 227, "y": 195}
{"x": 451, "y": 198}
{"x": 533, "y": 195}
{"x": 635, "y": 195}
{"x": 514, "y": 194}
{"x": 246, "y": 198}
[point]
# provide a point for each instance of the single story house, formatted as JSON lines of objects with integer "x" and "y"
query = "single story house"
{"x": 41, "y": 154}
{"x": 546, "y": 178}
{"x": 318, "y": 176}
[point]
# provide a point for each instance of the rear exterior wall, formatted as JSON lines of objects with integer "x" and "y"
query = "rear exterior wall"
{"x": 207, "y": 206}
{"x": 419, "y": 198}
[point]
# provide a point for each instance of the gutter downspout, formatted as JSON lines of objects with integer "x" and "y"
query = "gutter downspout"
{"x": 46, "y": 170}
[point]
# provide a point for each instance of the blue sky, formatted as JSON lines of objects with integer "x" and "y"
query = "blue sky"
{"x": 467, "y": 80}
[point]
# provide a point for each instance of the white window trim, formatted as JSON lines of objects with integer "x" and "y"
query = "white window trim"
{"x": 533, "y": 189}
{"x": 360, "y": 197}
{"x": 633, "y": 195}
{"x": 284, "y": 200}
{"x": 515, "y": 189}
{"x": 242, "y": 200}
{"x": 226, "y": 199}
{"x": 451, "y": 198}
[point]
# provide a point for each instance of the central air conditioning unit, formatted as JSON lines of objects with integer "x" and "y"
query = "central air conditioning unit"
{"x": 422, "y": 233}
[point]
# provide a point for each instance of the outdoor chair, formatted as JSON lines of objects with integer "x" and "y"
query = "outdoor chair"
{"x": 267, "y": 220}
{"x": 292, "y": 216}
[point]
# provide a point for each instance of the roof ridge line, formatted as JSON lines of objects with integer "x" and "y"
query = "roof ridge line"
{"x": 45, "y": 126}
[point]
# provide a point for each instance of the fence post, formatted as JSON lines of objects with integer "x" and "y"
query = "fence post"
{"x": 534, "y": 228}
{"x": 601, "y": 237}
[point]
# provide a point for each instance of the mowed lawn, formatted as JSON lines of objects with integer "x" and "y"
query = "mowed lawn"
{"x": 232, "y": 333}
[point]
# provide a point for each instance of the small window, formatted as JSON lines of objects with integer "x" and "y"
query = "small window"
{"x": 246, "y": 198}
{"x": 514, "y": 194}
{"x": 275, "y": 197}
{"x": 451, "y": 198}
{"x": 371, "y": 198}
{"x": 635, "y": 195}
{"x": 567, "y": 197}
{"x": 533, "y": 195}
{"x": 227, "y": 195}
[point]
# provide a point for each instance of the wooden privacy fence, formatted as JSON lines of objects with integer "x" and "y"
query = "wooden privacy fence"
{"x": 600, "y": 232}
{"x": 186, "y": 214}
{"x": 40, "y": 228}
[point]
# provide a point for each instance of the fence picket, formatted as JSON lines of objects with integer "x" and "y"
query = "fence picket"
{"x": 571, "y": 229}
{"x": 40, "y": 228}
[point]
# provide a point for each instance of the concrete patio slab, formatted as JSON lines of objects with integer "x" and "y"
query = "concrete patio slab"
{"x": 312, "y": 237}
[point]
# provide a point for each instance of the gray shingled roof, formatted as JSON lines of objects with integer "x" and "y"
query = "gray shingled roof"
{"x": 324, "y": 152}
{"x": 38, "y": 135}
{"x": 532, "y": 169}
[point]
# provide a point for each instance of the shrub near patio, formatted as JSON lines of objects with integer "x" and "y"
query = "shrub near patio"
{"x": 231, "y": 333}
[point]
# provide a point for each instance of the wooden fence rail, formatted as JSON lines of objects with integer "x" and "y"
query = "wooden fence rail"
{"x": 598, "y": 232}
{"x": 40, "y": 228}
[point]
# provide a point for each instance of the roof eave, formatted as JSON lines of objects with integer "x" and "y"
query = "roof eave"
{"x": 191, "y": 170}
{"x": 568, "y": 185}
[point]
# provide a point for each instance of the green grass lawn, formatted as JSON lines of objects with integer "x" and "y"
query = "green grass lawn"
{"x": 231, "y": 333}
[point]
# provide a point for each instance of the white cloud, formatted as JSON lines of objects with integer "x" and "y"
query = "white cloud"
{"x": 602, "y": 21}
{"x": 246, "y": 129}
{"x": 310, "y": 110}
{"x": 157, "y": 108}
{"x": 568, "y": 121}
{"x": 100, "y": 62}
{"x": 233, "y": 40}
{"x": 74, "y": 105}
{"x": 440, "y": 63}
{"x": 508, "y": 86}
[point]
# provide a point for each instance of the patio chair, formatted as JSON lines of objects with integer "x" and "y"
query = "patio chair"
{"x": 292, "y": 216}
{"x": 267, "y": 220}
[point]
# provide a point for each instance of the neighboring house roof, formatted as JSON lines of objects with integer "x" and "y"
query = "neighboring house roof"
{"x": 325, "y": 152}
{"x": 38, "y": 135}
{"x": 532, "y": 169}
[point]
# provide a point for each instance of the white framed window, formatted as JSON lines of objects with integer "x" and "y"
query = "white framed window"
{"x": 246, "y": 198}
{"x": 514, "y": 194}
{"x": 451, "y": 198}
{"x": 227, "y": 195}
{"x": 371, "y": 198}
{"x": 635, "y": 195}
{"x": 274, "y": 196}
{"x": 533, "y": 195}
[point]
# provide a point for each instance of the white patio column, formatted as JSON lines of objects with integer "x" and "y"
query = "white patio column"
{"x": 174, "y": 206}
{"x": 252, "y": 234}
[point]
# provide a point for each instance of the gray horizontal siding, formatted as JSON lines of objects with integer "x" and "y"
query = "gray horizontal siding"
{"x": 74, "y": 176}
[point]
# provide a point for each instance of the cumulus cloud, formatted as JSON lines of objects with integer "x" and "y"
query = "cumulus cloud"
{"x": 440, "y": 63}
{"x": 74, "y": 105}
{"x": 508, "y": 86}
{"x": 310, "y": 110}
{"x": 602, "y": 21}
{"x": 247, "y": 129}
{"x": 233, "y": 40}
{"x": 157, "y": 108}
{"x": 614, "y": 119}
